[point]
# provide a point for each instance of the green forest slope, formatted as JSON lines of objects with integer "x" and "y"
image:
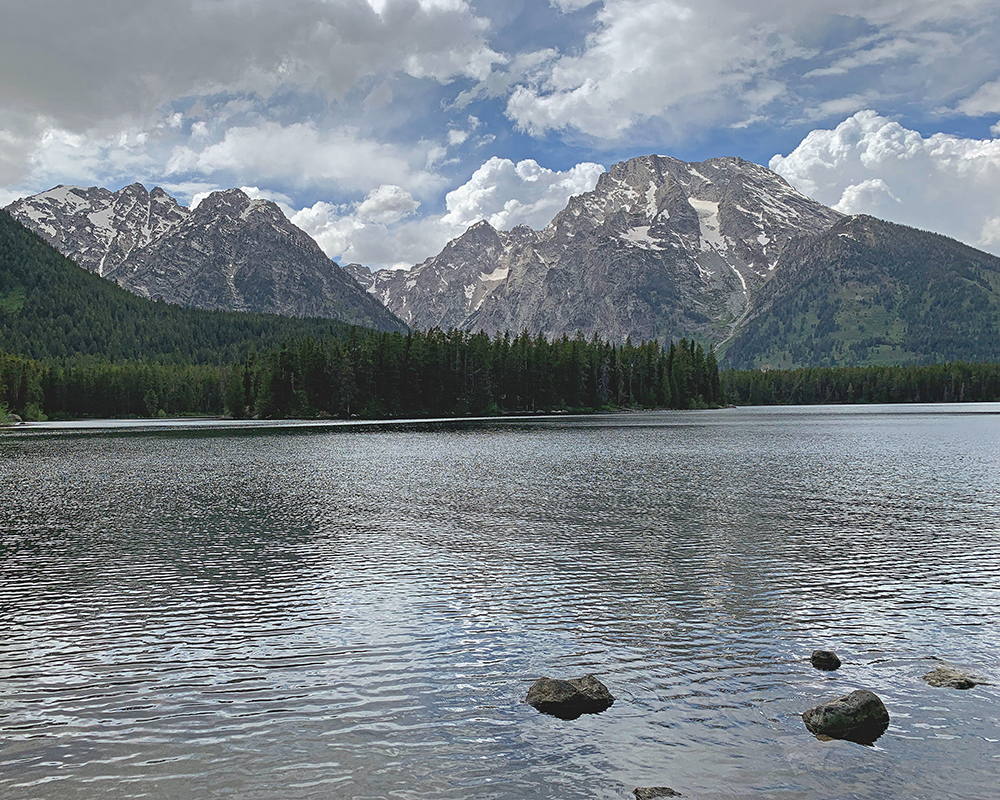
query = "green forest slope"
{"x": 51, "y": 308}
{"x": 870, "y": 292}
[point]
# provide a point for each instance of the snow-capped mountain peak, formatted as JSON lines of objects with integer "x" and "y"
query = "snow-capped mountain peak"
{"x": 98, "y": 228}
{"x": 660, "y": 248}
{"x": 232, "y": 252}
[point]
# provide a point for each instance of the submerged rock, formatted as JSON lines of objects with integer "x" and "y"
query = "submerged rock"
{"x": 950, "y": 678}
{"x": 652, "y": 792}
{"x": 858, "y": 717}
{"x": 825, "y": 659}
{"x": 568, "y": 699}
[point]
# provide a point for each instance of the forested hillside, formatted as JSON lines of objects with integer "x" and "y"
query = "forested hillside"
{"x": 51, "y": 308}
{"x": 872, "y": 292}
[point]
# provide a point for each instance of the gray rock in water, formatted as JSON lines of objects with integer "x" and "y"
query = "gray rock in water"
{"x": 652, "y": 792}
{"x": 568, "y": 699}
{"x": 858, "y": 717}
{"x": 825, "y": 659}
{"x": 951, "y": 678}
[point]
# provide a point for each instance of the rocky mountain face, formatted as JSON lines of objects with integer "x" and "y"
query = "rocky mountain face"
{"x": 230, "y": 253}
{"x": 873, "y": 292}
{"x": 446, "y": 290}
{"x": 660, "y": 249}
{"x": 97, "y": 228}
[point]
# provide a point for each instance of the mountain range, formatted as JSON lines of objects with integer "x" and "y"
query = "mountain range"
{"x": 659, "y": 249}
{"x": 723, "y": 251}
{"x": 230, "y": 253}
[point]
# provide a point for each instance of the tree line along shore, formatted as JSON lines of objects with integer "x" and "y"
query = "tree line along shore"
{"x": 453, "y": 373}
{"x": 375, "y": 375}
{"x": 73, "y": 344}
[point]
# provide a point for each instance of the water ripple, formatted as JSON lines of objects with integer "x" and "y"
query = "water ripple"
{"x": 358, "y": 611}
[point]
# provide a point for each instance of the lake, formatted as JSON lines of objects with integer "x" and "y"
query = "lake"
{"x": 299, "y": 610}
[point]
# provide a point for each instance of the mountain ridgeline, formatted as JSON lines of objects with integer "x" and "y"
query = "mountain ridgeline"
{"x": 230, "y": 253}
{"x": 52, "y": 309}
{"x": 722, "y": 252}
{"x": 659, "y": 250}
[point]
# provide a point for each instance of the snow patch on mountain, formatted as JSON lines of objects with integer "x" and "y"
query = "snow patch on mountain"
{"x": 499, "y": 274}
{"x": 640, "y": 237}
{"x": 708, "y": 221}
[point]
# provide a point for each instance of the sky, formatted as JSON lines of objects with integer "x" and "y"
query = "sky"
{"x": 385, "y": 128}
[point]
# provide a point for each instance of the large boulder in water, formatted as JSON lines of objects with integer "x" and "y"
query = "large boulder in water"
{"x": 825, "y": 660}
{"x": 859, "y": 717}
{"x": 950, "y": 677}
{"x": 568, "y": 699}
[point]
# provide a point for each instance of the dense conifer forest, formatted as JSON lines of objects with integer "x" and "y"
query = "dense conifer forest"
{"x": 376, "y": 375}
{"x": 381, "y": 375}
{"x": 955, "y": 382}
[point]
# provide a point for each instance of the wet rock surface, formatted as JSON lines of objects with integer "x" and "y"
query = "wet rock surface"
{"x": 950, "y": 678}
{"x": 825, "y": 659}
{"x": 653, "y": 792}
{"x": 569, "y": 699}
{"x": 858, "y": 717}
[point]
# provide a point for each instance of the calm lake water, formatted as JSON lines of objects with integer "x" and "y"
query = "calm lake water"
{"x": 211, "y": 610}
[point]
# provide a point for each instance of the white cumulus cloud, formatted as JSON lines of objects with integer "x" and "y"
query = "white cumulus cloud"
{"x": 387, "y": 204}
{"x": 873, "y": 165}
{"x": 985, "y": 100}
{"x": 332, "y": 226}
{"x": 39, "y": 154}
{"x": 508, "y": 194}
{"x": 710, "y": 62}
{"x": 302, "y": 154}
{"x": 868, "y": 197}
